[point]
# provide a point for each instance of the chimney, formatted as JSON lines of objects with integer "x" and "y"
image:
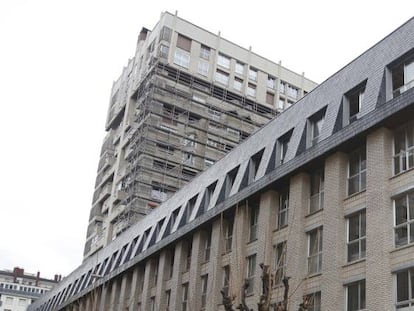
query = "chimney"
{"x": 37, "y": 278}
{"x": 18, "y": 272}
{"x": 56, "y": 278}
{"x": 143, "y": 34}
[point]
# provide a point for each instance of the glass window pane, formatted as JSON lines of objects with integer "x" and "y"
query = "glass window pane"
{"x": 402, "y": 286}
{"x": 363, "y": 159}
{"x": 363, "y": 223}
{"x": 399, "y": 141}
{"x": 411, "y": 233}
{"x": 362, "y": 295}
{"x": 408, "y": 72}
{"x": 353, "y": 251}
{"x": 397, "y": 167}
{"x": 353, "y": 232}
{"x": 353, "y": 164}
{"x": 412, "y": 282}
{"x": 400, "y": 211}
{"x": 363, "y": 248}
{"x": 353, "y": 298}
{"x": 411, "y": 205}
{"x": 363, "y": 185}
{"x": 401, "y": 236}
{"x": 353, "y": 185}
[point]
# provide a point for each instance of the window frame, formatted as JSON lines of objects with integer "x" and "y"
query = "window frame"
{"x": 361, "y": 240}
{"x": 361, "y": 299}
{"x": 320, "y": 194}
{"x": 250, "y": 272}
{"x": 408, "y": 224}
{"x": 253, "y": 222}
{"x": 283, "y": 209}
{"x": 223, "y": 61}
{"x": 403, "y": 156}
{"x": 182, "y": 58}
{"x": 409, "y": 302}
{"x": 317, "y": 253}
{"x": 361, "y": 173}
{"x": 280, "y": 263}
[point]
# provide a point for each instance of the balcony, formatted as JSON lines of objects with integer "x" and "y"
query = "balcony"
{"x": 107, "y": 160}
{"x": 103, "y": 194}
{"x": 316, "y": 202}
{"x": 402, "y": 89}
{"x": 120, "y": 195}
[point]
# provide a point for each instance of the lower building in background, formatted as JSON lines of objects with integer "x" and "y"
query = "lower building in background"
{"x": 19, "y": 289}
{"x": 321, "y": 198}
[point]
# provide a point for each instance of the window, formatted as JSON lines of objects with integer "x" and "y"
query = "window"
{"x": 356, "y": 236}
{"x": 282, "y": 147}
{"x": 239, "y": 68}
{"x": 167, "y": 300}
{"x": 313, "y": 301}
{"x": 355, "y": 293}
{"x": 315, "y": 251}
{"x": 184, "y": 43}
{"x": 282, "y": 212}
{"x": 282, "y": 87}
{"x": 207, "y": 245}
{"x": 357, "y": 174}
{"x": 205, "y": 52}
{"x": 184, "y": 300}
{"x": 404, "y": 220}
{"x": 253, "y": 218}
{"x": 9, "y": 300}
{"x": 228, "y": 236}
{"x": 182, "y": 58}
{"x": 165, "y": 34}
{"x": 402, "y": 77}
{"x": 254, "y": 166}
{"x": 271, "y": 82}
{"x": 164, "y": 51}
{"x": 188, "y": 255}
{"x": 251, "y": 90}
{"x": 292, "y": 91}
{"x": 270, "y": 98}
{"x": 222, "y": 77}
{"x": 171, "y": 267}
{"x": 253, "y": 74}
{"x": 317, "y": 181}
{"x": 155, "y": 271}
{"x": 203, "y": 68}
{"x": 405, "y": 290}
{"x": 354, "y": 100}
{"x": 251, "y": 270}
{"x": 226, "y": 279}
{"x": 223, "y": 61}
{"x": 404, "y": 148}
{"x": 238, "y": 84}
{"x": 281, "y": 104}
{"x": 280, "y": 262}
{"x": 152, "y": 304}
{"x": 204, "y": 283}
{"x": 315, "y": 124}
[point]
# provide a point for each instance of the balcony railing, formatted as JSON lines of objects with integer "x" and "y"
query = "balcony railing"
{"x": 403, "y": 88}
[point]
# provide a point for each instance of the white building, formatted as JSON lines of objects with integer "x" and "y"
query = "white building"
{"x": 19, "y": 289}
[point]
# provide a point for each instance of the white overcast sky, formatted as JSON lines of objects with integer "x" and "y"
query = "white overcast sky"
{"x": 58, "y": 59}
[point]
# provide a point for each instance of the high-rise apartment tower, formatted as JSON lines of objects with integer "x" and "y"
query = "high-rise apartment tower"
{"x": 184, "y": 100}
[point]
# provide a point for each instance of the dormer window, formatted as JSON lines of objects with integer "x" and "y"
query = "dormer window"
{"x": 353, "y": 103}
{"x": 315, "y": 124}
{"x": 402, "y": 77}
